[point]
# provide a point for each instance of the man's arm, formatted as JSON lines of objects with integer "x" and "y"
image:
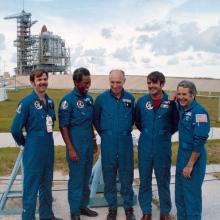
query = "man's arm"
{"x": 187, "y": 170}
{"x": 72, "y": 153}
{"x": 64, "y": 113}
{"x": 19, "y": 122}
{"x": 201, "y": 133}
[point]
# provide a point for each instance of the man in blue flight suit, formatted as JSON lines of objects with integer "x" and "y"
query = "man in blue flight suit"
{"x": 36, "y": 114}
{"x": 113, "y": 120}
{"x": 156, "y": 118}
{"x": 75, "y": 121}
{"x": 194, "y": 126}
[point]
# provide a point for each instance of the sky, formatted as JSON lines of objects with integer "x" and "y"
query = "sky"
{"x": 177, "y": 37}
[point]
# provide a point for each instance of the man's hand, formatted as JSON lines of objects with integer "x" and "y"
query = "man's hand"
{"x": 73, "y": 155}
{"x": 172, "y": 96}
{"x": 187, "y": 171}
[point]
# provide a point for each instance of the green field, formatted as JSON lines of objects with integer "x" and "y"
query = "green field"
{"x": 8, "y": 108}
{"x": 9, "y": 155}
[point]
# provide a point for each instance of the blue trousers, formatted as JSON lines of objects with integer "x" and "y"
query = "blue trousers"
{"x": 34, "y": 182}
{"x": 155, "y": 156}
{"x": 188, "y": 192}
{"x": 163, "y": 181}
{"x": 117, "y": 158}
{"x": 78, "y": 184}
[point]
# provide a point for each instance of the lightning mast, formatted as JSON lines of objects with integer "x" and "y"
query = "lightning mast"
{"x": 23, "y": 42}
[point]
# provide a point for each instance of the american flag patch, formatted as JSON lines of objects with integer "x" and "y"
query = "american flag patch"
{"x": 201, "y": 118}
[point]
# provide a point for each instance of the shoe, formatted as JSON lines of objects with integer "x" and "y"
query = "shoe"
{"x": 164, "y": 217}
{"x": 88, "y": 212}
{"x": 112, "y": 213}
{"x": 75, "y": 217}
{"x": 54, "y": 218}
{"x": 146, "y": 217}
{"x": 129, "y": 212}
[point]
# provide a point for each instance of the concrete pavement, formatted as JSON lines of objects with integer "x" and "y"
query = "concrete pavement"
{"x": 211, "y": 198}
{"x": 6, "y": 139}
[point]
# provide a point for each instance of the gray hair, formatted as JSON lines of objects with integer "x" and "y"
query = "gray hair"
{"x": 188, "y": 84}
{"x": 118, "y": 70}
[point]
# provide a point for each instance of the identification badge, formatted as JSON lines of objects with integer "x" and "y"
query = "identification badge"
{"x": 163, "y": 105}
{"x": 49, "y": 124}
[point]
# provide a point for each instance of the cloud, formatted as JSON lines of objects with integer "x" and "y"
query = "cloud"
{"x": 124, "y": 54}
{"x": 183, "y": 37}
{"x": 145, "y": 60}
{"x": 168, "y": 43}
{"x": 106, "y": 33}
{"x": 2, "y": 41}
{"x": 208, "y": 40}
{"x": 142, "y": 40}
{"x": 189, "y": 58}
{"x": 96, "y": 56}
{"x": 154, "y": 26}
{"x": 203, "y": 6}
{"x": 173, "y": 40}
{"x": 173, "y": 61}
{"x": 42, "y": 1}
{"x": 76, "y": 53}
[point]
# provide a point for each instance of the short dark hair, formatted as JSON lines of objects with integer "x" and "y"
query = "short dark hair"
{"x": 188, "y": 84}
{"x": 79, "y": 73}
{"x": 37, "y": 73}
{"x": 156, "y": 76}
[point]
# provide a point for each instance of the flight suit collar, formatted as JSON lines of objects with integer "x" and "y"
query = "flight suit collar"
{"x": 191, "y": 106}
{"x": 35, "y": 96}
{"x": 164, "y": 98}
{"x": 122, "y": 94}
{"x": 76, "y": 93}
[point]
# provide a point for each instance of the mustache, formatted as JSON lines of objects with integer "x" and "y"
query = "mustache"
{"x": 43, "y": 84}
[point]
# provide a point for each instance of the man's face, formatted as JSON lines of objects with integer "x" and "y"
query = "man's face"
{"x": 40, "y": 83}
{"x": 84, "y": 85}
{"x": 117, "y": 80}
{"x": 184, "y": 96}
{"x": 154, "y": 88}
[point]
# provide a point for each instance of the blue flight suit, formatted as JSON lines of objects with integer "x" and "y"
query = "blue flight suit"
{"x": 113, "y": 119}
{"x": 154, "y": 149}
{"x": 38, "y": 155}
{"x": 194, "y": 126}
{"x": 75, "y": 113}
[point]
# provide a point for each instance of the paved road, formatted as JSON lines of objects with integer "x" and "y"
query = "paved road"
{"x": 6, "y": 139}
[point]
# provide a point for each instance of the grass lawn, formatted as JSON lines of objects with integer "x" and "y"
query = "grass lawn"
{"x": 8, "y": 107}
{"x": 217, "y": 175}
{"x": 9, "y": 155}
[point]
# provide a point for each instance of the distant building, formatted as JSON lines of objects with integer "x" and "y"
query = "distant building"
{"x": 50, "y": 53}
{"x": 6, "y": 75}
{"x": 46, "y": 50}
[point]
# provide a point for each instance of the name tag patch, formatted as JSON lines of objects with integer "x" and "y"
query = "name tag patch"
{"x": 127, "y": 102}
{"x": 163, "y": 105}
